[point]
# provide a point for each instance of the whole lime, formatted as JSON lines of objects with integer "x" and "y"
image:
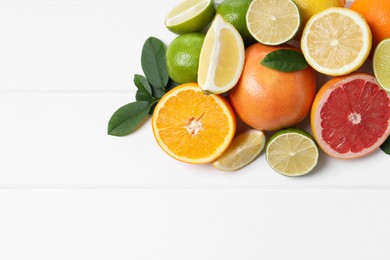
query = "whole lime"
{"x": 234, "y": 12}
{"x": 183, "y": 57}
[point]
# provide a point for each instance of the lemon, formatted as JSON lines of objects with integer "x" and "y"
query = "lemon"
{"x": 271, "y": 23}
{"x": 381, "y": 64}
{"x": 234, "y": 12}
{"x": 183, "y": 57}
{"x": 308, "y": 8}
{"x": 244, "y": 149}
{"x": 292, "y": 152}
{"x": 190, "y": 16}
{"x": 336, "y": 41}
{"x": 222, "y": 57}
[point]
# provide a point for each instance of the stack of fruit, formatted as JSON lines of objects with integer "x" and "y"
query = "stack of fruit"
{"x": 238, "y": 60}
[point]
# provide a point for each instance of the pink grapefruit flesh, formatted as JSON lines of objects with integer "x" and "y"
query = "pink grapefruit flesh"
{"x": 351, "y": 116}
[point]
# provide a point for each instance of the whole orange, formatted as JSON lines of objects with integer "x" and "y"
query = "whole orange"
{"x": 377, "y": 15}
{"x": 267, "y": 99}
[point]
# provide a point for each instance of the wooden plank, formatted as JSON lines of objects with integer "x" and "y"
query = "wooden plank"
{"x": 60, "y": 139}
{"x": 194, "y": 224}
{"x": 76, "y": 45}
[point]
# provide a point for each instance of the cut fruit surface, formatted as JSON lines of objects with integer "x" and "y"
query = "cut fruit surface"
{"x": 273, "y": 23}
{"x": 244, "y": 148}
{"x": 190, "y": 16}
{"x": 292, "y": 152}
{"x": 191, "y": 126}
{"x": 381, "y": 64}
{"x": 221, "y": 58}
{"x": 336, "y": 41}
{"x": 350, "y": 116}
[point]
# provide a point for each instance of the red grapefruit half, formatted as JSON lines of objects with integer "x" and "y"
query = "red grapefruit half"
{"x": 350, "y": 116}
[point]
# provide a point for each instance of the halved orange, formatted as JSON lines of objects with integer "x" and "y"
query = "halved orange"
{"x": 193, "y": 127}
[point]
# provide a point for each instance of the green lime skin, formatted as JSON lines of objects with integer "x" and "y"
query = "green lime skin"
{"x": 183, "y": 57}
{"x": 289, "y": 131}
{"x": 234, "y": 12}
{"x": 196, "y": 23}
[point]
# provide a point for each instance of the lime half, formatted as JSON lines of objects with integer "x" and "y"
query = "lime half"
{"x": 292, "y": 152}
{"x": 273, "y": 23}
{"x": 381, "y": 64}
{"x": 244, "y": 149}
{"x": 190, "y": 16}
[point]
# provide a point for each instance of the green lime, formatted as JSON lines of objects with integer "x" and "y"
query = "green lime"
{"x": 190, "y": 16}
{"x": 183, "y": 57}
{"x": 270, "y": 25}
{"x": 292, "y": 152}
{"x": 381, "y": 64}
{"x": 234, "y": 12}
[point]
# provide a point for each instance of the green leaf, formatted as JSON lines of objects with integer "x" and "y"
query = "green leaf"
{"x": 142, "y": 84}
{"x": 158, "y": 93}
{"x": 285, "y": 60}
{"x": 128, "y": 118}
{"x": 153, "y": 62}
{"x": 141, "y": 96}
{"x": 386, "y": 146}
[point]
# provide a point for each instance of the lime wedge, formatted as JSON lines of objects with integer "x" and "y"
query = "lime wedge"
{"x": 292, "y": 152}
{"x": 244, "y": 149}
{"x": 273, "y": 23}
{"x": 190, "y": 16}
{"x": 381, "y": 64}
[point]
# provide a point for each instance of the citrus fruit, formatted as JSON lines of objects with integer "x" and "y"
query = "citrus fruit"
{"x": 244, "y": 149}
{"x": 183, "y": 57}
{"x": 222, "y": 57}
{"x": 381, "y": 63}
{"x": 234, "y": 12}
{"x": 377, "y": 15}
{"x": 190, "y": 16}
{"x": 350, "y": 116}
{"x": 292, "y": 152}
{"x": 193, "y": 127}
{"x": 268, "y": 99}
{"x": 271, "y": 23}
{"x": 336, "y": 41}
{"x": 308, "y": 8}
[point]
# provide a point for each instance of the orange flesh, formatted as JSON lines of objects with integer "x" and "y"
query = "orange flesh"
{"x": 193, "y": 125}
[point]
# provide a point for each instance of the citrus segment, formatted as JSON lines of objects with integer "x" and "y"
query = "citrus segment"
{"x": 190, "y": 16}
{"x": 381, "y": 63}
{"x": 292, "y": 152}
{"x": 244, "y": 148}
{"x": 221, "y": 58}
{"x": 193, "y": 127}
{"x": 271, "y": 23}
{"x": 336, "y": 41}
{"x": 350, "y": 116}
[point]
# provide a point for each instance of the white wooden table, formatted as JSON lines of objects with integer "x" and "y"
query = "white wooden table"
{"x": 70, "y": 191}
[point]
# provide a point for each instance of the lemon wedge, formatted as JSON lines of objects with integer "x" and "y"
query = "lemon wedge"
{"x": 244, "y": 149}
{"x": 222, "y": 58}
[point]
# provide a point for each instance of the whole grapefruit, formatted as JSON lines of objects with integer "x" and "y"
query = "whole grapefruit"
{"x": 350, "y": 116}
{"x": 267, "y": 99}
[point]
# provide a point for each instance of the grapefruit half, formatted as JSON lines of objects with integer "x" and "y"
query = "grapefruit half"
{"x": 350, "y": 116}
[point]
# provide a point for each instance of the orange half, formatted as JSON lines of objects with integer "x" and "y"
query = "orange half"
{"x": 193, "y": 127}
